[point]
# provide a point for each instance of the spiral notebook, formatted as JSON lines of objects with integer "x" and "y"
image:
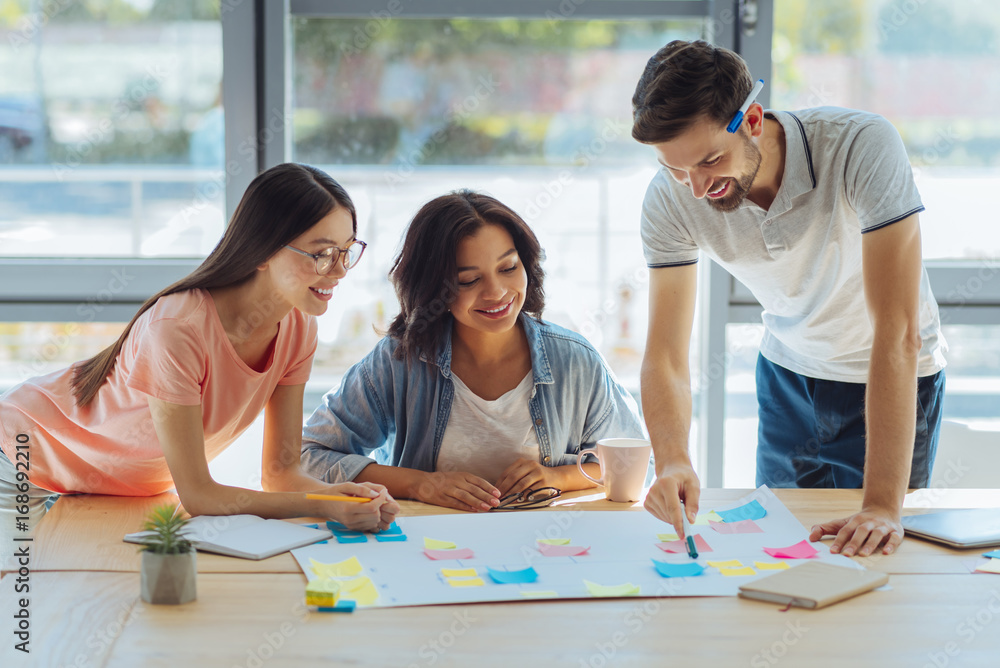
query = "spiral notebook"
{"x": 243, "y": 536}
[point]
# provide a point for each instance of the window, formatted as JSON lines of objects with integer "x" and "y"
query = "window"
{"x": 534, "y": 111}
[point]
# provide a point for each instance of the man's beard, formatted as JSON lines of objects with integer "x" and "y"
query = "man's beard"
{"x": 739, "y": 188}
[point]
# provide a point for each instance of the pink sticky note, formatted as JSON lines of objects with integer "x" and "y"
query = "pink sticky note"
{"x": 743, "y": 526}
{"x": 562, "y": 550}
{"x": 680, "y": 546}
{"x": 463, "y": 553}
{"x": 802, "y": 550}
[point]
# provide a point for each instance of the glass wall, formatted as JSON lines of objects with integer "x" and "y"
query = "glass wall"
{"x": 534, "y": 112}
{"x": 111, "y": 128}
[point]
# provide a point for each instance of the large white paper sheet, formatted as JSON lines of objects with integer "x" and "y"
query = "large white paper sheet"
{"x": 622, "y": 547}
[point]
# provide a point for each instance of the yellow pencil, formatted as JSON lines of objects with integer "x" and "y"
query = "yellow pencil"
{"x": 330, "y": 497}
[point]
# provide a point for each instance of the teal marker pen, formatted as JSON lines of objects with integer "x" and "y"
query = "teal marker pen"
{"x": 688, "y": 536}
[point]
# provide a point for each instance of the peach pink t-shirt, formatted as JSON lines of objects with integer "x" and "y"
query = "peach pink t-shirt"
{"x": 177, "y": 352}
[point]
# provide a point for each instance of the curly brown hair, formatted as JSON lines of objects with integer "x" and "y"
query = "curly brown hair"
{"x": 425, "y": 273}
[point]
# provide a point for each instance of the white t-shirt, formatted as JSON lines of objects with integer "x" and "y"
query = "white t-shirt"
{"x": 846, "y": 174}
{"x": 485, "y": 437}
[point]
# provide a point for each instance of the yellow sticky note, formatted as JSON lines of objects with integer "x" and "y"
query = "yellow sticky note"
{"x": 539, "y": 594}
{"x": 732, "y": 563}
{"x": 604, "y": 591}
{"x": 729, "y": 572}
{"x": 771, "y": 565}
{"x": 342, "y": 569}
{"x": 992, "y": 566}
{"x": 667, "y": 537}
{"x": 434, "y": 544}
{"x": 554, "y": 541}
{"x": 361, "y": 590}
{"x": 459, "y": 572}
{"x": 322, "y": 592}
{"x": 466, "y": 582}
{"x": 703, "y": 519}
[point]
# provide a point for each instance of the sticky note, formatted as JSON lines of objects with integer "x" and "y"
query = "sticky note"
{"x": 995, "y": 554}
{"x": 743, "y": 526}
{"x": 732, "y": 563}
{"x": 991, "y": 566}
{"x": 360, "y": 589}
{"x": 554, "y": 541}
{"x": 748, "y": 511}
{"x": 513, "y": 577}
{"x": 667, "y": 537}
{"x": 341, "y": 569}
{"x": 678, "y": 570}
{"x": 540, "y": 594}
{"x": 464, "y": 553}
{"x": 705, "y": 518}
{"x": 351, "y": 538}
{"x": 342, "y": 606}
{"x": 434, "y": 544}
{"x": 393, "y": 530}
{"x": 801, "y": 550}
{"x": 459, "y": 572}
{"x": 680, "y": 546}
{"x": 605, "y": 591}
{"x": 466, "y": 582}
{"x": 390, "y": 538}
{"x": 729, "y": 572}
{"x": 771, "y": 565}
{"x": 335, "y": 526}
{"x": 562, "y": 550}
{"x": 311, "y": 526}
{"x": 322, "y": 592}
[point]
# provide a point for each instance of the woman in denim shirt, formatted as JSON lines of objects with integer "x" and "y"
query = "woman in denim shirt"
{"x": 471, "y": 395}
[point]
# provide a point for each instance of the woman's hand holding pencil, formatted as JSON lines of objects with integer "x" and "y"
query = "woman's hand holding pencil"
{"x": 363, "y": 506}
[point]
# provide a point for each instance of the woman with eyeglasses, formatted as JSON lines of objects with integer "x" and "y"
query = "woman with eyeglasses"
{"x": 195, "y": 367}
{"x": 471, "y": 397}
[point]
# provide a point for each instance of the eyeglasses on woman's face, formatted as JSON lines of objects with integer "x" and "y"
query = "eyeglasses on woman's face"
{"x": 327, "y": 258}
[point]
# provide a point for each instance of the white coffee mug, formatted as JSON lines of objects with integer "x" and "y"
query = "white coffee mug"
{"x": 624, "y": 463}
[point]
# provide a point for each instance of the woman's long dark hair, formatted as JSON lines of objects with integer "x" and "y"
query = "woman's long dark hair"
{"x": 425, "y": 273}
{"x": 278, "y": 206}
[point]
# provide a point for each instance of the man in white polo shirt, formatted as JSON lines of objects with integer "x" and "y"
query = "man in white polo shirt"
{"x": 816, "y": 212}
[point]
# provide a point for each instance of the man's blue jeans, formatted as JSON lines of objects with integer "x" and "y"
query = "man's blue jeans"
{"x": 812, "y": 432}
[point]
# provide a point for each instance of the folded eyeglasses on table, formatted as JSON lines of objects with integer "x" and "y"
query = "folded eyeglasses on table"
{"x": 529, "y": 498}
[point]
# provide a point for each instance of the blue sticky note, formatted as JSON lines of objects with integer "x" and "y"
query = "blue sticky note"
{"x": 995, "y": 554}
{"x": 749, "y": 511}
{"x": 347, "y": 538}
{"x": 311, "y": 526}
{"x": 678, "y": 570}
{"x": 335, "y": 526}
{"x": 345, "y": 605}
{"x": 321, "y": 542}
{"x": 513, "y": 577}
{"x": 391, "y": 538}
{"x": 391, "y": 531}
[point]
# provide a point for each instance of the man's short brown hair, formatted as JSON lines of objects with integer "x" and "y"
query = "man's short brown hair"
{"x": 684, "y": 82}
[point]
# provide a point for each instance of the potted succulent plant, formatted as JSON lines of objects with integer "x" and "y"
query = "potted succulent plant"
{"x": 169, "y": 570}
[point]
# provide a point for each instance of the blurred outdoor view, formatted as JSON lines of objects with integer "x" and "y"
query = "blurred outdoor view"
{"x": 111, "y": 145}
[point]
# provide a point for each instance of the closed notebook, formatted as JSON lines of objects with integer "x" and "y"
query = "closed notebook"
{"x": 243, "y": 536}
{"x": 814, "y": 584}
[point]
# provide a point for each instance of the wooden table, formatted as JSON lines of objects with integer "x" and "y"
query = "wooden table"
{"x": 85, "y": 609}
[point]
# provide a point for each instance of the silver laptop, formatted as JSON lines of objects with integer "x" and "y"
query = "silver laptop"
{"x": 979, "y": 527}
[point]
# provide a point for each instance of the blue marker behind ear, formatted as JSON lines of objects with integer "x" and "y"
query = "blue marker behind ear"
{"x": 734, "y": 124}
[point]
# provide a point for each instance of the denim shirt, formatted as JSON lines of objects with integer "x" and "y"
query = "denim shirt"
{"x": 397, "y": 411}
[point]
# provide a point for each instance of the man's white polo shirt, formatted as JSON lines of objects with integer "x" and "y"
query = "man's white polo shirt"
{"x": 846, "y": 174}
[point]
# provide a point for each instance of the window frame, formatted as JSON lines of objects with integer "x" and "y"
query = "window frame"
{"x": 256, "y": 87}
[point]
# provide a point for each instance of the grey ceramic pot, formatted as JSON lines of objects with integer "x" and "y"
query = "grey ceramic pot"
{"x": 169, "y": 579}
